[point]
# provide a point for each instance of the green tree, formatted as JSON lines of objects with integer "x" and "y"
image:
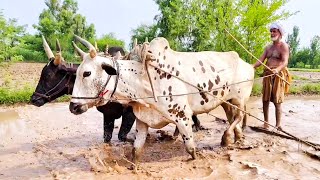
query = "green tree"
{"x": 302, "y": 57}
{"x": 10, "y": 36}
{"x": 61, "y": 19}
{"x": 197, "y": 25}
{"x": 293, "y": 42}
{"x": 108, "y": 40}
{"x": 314, "y": 60}
{"x": 142, "y": 32}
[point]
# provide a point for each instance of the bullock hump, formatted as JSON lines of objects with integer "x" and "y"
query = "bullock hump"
{"x": 160, "y": 42}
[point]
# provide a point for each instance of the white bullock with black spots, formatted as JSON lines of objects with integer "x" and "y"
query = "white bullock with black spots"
{"x": 214, "y": 72}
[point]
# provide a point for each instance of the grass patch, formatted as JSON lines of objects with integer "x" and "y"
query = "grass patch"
{"x": 307, "y": 89}
{"x": 256, "y": 89}
{"x": 304, "y": 70}
{"x": 8, "y": 96}
{"x": 295, "y": 77}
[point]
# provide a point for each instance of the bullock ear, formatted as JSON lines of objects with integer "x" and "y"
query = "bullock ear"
{"x": 109, "y": 69}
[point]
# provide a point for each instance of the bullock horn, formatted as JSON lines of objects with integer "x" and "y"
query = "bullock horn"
{"x": 86, "y": 43}
{"x": 57, "y": 58}
{"x": 47, "y": 48}
{"x": 106, "y": 50}
{"x": 146, "y": 39}
{"x": 58, "y": 47}
{"x": 96, "y": 46}
{"x": 78, "y": 50}
{"x": 135, "y": 43}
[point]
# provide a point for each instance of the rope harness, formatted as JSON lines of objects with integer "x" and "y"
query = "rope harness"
{"x": 47, "y": 94}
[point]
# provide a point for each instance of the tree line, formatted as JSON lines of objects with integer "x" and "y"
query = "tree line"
{"x": 305, "y": 57}
{"x": 189, "y": 25}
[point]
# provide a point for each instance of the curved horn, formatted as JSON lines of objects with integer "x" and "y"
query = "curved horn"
{"x": 135, "y": 43}
{"x": 47, "y": 48}
{"x": 78, "y": 50}
{"x": 58, "y": 47}
{"x": 58, "y": 57}
{"x": 96, "y": 46}
{"x": 106, "y": 50}
{"x": 86, "y": 43}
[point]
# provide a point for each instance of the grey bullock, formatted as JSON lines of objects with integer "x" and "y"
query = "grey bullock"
{"x": 212, "y": 80}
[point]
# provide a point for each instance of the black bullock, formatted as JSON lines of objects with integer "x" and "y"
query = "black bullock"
{"x": 57, "y": 79}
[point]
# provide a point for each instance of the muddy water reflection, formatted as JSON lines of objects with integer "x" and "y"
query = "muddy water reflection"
{"x": 58, "y": 144}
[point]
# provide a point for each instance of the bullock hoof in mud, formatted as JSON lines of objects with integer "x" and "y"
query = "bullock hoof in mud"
{"x": 192, "y": 152}
{"x": 226, "y": 139}
{"x": 238, "y": 135}
{"x": 107, "y": 138}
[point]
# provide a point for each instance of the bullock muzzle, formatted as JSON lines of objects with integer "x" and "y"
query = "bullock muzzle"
{"x": 37, "y": 101}
{"x": 77, "y": 108}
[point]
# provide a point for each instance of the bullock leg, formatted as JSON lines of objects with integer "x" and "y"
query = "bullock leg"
{"x": 196, "y": 124}
{"x": 128, "y": 119}
{"x": 226, "y": 138}
{"x": 231, "y": 113}
{"x": 108, "y": 126}
{"x": 245, "y": 119}
{"x": 111, "y": 111}
{"x": 195, "y": 127}
{"x": 185, "y": 128}
{"x": 141, "y": 135}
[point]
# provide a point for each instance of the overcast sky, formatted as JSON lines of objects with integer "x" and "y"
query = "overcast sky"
{"x": 121, "y": 16}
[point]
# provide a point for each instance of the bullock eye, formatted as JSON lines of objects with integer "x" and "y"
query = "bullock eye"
{"x": 86, "y": 73}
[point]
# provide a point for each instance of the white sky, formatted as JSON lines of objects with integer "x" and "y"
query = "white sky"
{"x": 121, "y": 16}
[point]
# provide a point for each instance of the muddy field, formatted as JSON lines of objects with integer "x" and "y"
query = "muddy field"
{"x": 51, "y": 143}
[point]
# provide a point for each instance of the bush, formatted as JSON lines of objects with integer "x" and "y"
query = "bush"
{"x": 31, "y": 55}
{"x": 300, "y": 65}
{"x": 256, "y": 89}
{"x": 311, "y": 88}
{"x": 15, "y": 96}
{"x": 17, "y": 58}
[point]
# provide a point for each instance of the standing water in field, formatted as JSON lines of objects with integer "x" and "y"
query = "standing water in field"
{"x": 10, "y": 124}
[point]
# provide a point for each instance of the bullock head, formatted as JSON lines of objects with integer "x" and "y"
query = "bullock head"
{"x": 56, "y": 78}
{"x": 93, "y": 75}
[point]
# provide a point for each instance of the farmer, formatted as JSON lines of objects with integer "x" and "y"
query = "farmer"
{"x": 274, "y": 87}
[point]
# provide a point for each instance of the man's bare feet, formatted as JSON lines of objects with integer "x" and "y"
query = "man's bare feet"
{"x": 279, "y": 128}
{"x": 265, "y": 126}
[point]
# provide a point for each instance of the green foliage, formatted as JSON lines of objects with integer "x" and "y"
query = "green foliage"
{"x": 256, "y": 89}
{"x": 8, "y": 96}
{"x": 300, "y": 65}
{"x": 10, "y": 36}
{"x": 314, "y": 60}
{"x": 295, "y": 77}
{"x": 108, "y": 40}
{"x": 307, "y": 57}
{"x": 142, "y": 32}
{"x": 62, "y": 19}
{"x": 304, "y": 69}
{"x": 198, "y": 25}
{"x": 293, "y": 42}
{"x": 311, "y": 88}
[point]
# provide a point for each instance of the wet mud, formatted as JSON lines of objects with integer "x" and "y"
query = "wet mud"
{"x": 51, "y": 143}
